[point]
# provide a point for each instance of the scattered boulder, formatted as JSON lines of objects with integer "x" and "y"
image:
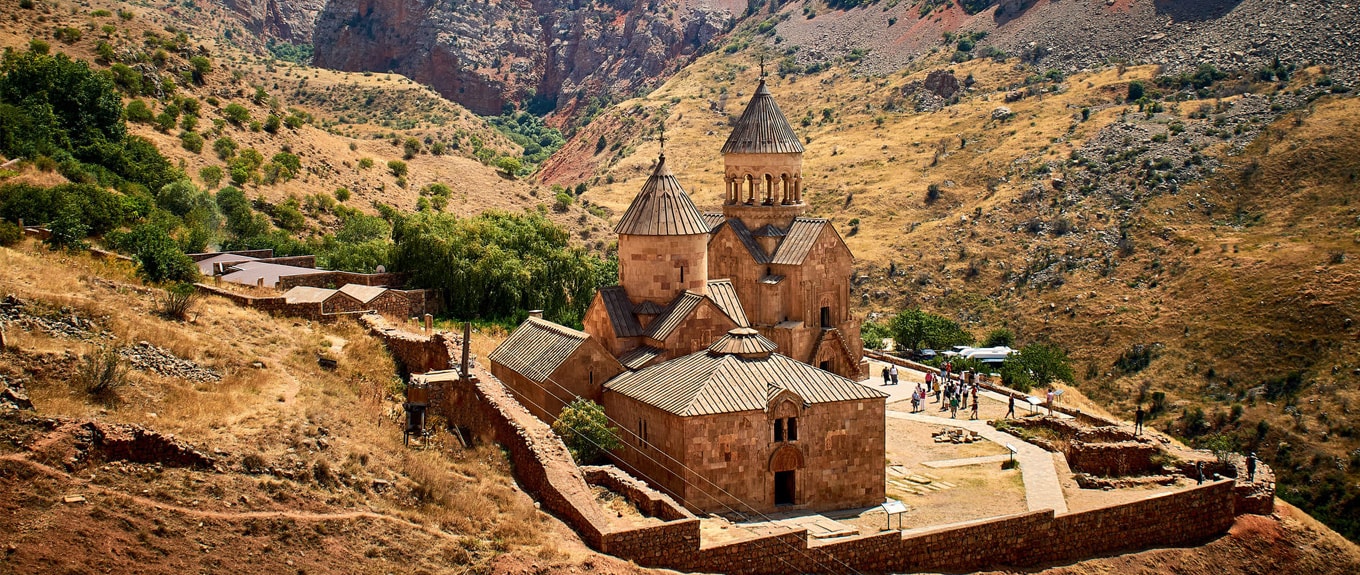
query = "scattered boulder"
{"x": 955, "y": 435}
{"x": 1001, "y": 113}
{"x": 13, "y": 396}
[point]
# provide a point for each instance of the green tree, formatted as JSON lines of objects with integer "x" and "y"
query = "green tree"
{"x": 497, "y": 265}
{"x": 202, "y": 66}
{"x": 158, "y": 256}
{"x": 1036, "y": 365}
{"x": 585, "y": 430}
{"x": 999, "y": 337}
{"x": 1136, "y": 91}
{"x": 874, "y": 333}
{"x": 916, "y": 329}
{"x": 397, "y": 167}
{"x": 67, "y": 230}
{"x": 510, "y": 166}
{"x": 70, "y": 105}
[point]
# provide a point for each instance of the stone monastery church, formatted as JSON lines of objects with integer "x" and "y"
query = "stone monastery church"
{"x": 727, "y": 355}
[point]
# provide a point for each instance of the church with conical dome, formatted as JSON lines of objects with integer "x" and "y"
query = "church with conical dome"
{"x": 727, "y": 354}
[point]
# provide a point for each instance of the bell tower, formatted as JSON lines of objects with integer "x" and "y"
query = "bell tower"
{"x": 763, "y": 165}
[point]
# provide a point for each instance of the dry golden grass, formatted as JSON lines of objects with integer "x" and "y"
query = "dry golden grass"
{"x": 277, "y": 413}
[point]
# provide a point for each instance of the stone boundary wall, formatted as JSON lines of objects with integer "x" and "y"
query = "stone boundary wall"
{"x": 1183, "y": 518}
{"x": 543, "y": 467}
{"x": 335, "y": 279}
{"x": 265, "y": 253}
{"x": 415, "y": 353}
{"x": 278, "y": 305}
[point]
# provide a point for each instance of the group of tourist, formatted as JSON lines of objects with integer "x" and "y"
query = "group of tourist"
{"x": 951, "y": 390}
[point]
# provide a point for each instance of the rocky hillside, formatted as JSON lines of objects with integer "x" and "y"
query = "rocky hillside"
{"x": 1188, "y": 237}
{"x": 545, "y": 54}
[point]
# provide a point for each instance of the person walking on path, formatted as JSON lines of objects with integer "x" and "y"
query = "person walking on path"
{"x": 1049, "y": 400}
{"x": 1251, "y": 467}
{"x": 887, "y": 378}
{"x": 953, "y": 407}
{"x": 1138, "y": 420}
{"x": 893, "y": 372}
{"x": 1010, "y": 412}
{"x": 974, "y": 414}
{"x": 1199, "y": 469}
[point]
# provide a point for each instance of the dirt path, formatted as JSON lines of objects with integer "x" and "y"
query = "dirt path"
{"x": 222, "y": 515}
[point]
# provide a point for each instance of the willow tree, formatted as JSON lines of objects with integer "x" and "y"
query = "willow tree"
{"x": 497, "y": 265}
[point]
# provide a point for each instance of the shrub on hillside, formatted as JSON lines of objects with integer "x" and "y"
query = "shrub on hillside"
{"x": 159, "y": 257}
{"x": 101, "y": 373}
{"x": 10, "y": 234}
{"x": 176, "y": 301}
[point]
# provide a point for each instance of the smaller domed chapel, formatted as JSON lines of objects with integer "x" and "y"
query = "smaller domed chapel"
{"x": 727, "y": 354}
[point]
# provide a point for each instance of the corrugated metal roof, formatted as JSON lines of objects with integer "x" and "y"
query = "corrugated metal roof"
{"x": 537, "y": 348}
{"x": 705, "y": 383}
{"x": 762, "y": 128}
{"x": 205, "y": 266}
{"x": 620, "y": 312}
{"x": 304, "y": 294}
{"x": 796, "y": 245}
{"x": 724, "y": 294}
{"x": 744, "y": 235}
{"x": 662, "y": 208}
{"x": 249, "y": 273}
{"x": 676, "y": 312}
{"x": 743, "y": 341}
{"x": 362, "y": 293}
{"x": 638, "y": 357}
{"x": 714, "y": 220}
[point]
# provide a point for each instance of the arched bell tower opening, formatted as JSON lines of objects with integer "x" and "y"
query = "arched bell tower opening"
{"x": 763, "y": 161}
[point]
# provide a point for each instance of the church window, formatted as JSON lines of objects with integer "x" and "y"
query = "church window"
{"x": 779, "y": 430}
{"x": 792, "y": 429}
{"x": 682, "y": 274}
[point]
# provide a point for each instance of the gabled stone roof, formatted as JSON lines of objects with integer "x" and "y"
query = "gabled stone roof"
{"x": 662, "y": 208}
{"x": 724, "y": 294}
{"x": 709, "y": 382}
{"x": 802, "y": 234}
{"x": 762, "y": 128}
{"x": 537, "y": 348}
{"x": 620, "y": 312}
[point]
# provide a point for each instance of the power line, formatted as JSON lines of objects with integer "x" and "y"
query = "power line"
{"x": 682, "y": 465}
{"x": 645, "y": 476}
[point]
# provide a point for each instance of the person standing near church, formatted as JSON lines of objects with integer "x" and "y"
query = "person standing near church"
{"x": 887, "y": 378}
{"x": 893, "y": 372}
{"x": 1138, "y": 420}
{"x": 1011, "y": 411}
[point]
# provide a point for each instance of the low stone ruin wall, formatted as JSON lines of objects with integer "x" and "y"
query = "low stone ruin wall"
{"x": 648, "y": 501}
{"x": 76, "y": 442}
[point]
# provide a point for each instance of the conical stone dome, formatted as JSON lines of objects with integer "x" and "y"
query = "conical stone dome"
{"x": 762, "y": 129}
{"x": 662, "y": 208}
